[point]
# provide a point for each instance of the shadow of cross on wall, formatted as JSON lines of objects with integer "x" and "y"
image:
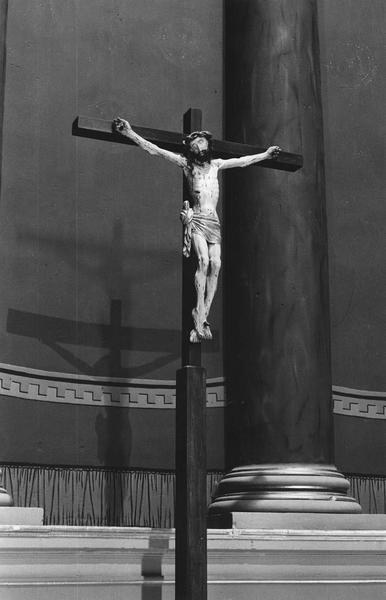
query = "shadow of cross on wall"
{"x": 116, "y": 264}
{"x": 56, "y": 333}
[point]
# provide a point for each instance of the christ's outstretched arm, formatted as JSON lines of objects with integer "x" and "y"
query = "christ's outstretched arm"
{"x": 124, "y": 128}
{"x": 245, "y": 161}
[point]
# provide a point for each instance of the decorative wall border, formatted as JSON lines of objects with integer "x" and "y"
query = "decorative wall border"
{"x": 359, "y": 403}
{"x": 67, "y": 388}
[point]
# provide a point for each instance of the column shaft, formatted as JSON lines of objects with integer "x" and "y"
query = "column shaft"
{"x": 279, "y": 416}
{"x": 277, "y": 312}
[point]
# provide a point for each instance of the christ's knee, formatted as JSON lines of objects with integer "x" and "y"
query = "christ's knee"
{"x": 215, "y": 265}
{"x": 203, "y": 264}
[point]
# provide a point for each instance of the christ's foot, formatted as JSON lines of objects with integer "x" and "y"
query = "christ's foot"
{"x": 198, "y": 323}
{"x": 207, "y": 332}
{"x": 194, "y": 338}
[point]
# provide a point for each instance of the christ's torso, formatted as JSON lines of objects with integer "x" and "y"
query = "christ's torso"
{"x": 203, "y": 185}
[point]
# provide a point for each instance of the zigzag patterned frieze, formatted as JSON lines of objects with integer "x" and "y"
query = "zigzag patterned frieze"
{"x": 65, "y": 388}
{"x": 46, "y": 386}
{"x": 359, "y": 403}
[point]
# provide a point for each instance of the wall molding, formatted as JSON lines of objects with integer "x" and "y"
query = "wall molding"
{"x": 359, "y": 403}
{"x": 66, "y": 388}
{"x": 69, "y": 388}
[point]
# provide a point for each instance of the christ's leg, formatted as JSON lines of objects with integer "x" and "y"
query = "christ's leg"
{"x": 199, "y": 313}
{"x": 214, "y": 252}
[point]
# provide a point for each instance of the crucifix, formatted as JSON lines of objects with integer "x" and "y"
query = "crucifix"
{"x": 201, "y": 158}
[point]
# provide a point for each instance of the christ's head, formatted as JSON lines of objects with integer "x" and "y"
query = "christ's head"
{"x": 198, "y": 146}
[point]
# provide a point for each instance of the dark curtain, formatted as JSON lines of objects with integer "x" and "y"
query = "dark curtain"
{"x": 106, "y": 497}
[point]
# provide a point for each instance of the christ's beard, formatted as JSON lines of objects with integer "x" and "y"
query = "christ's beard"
{"x": 204, "y": 156}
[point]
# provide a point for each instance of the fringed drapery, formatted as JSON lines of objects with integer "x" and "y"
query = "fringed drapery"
{"x": 107, "y": 497}
{"x": 370, "y": 491}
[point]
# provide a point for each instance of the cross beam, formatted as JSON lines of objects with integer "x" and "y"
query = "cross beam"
{"x": 100, "y": 129}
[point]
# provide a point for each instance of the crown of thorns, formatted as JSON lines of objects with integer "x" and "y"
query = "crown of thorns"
{"x": 195, "y": 134}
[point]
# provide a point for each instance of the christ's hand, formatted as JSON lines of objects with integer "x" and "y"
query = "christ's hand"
{"x": 273, "y": 151}
{"x": 121, "y": 126}
{"x": 186, "y": 215}
{"x": 124, "y": 128}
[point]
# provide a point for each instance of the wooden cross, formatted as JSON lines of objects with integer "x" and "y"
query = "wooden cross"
{"x": 191, "y": 501}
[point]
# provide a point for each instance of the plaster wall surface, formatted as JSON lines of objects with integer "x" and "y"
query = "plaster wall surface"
{"x": 83, "y": 223}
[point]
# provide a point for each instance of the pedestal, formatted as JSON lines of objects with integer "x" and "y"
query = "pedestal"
{"x": 5, "y": 498}
{"x": 20, "y": 515}
{"x": 293, "y": 521}
{"x": 276, "y": 561}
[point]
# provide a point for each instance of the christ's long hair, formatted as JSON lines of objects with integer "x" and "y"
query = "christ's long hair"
{"x": 205, "y": 155}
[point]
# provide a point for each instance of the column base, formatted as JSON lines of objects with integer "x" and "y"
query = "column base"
{"x": 305, "y": 488}
{"x": 21, "y": 515}
{"x": 5, "y": 498}
{"x": 290, "y": 522}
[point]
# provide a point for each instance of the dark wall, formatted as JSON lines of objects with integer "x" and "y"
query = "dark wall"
{"x": 353, "y": 64}
{"x": 84, "y": 222}
{"x": 352, "y": 35}
{"x": 50, "y": 433}
{"x": 360, "y": 445}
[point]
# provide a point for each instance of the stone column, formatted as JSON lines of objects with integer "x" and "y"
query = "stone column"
{"x": 279, "y": 415}
{"x": 5, "y": 498}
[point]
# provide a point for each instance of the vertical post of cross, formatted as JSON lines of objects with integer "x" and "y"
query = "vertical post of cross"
{"x": 191, "y": 500}
{"x": 191, "y": 353}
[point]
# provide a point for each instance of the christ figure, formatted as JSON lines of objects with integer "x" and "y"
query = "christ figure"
{"x": 199, "y": 217}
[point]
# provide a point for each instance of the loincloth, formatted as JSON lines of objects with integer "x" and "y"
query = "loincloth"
{"x": 203, "y": 224}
